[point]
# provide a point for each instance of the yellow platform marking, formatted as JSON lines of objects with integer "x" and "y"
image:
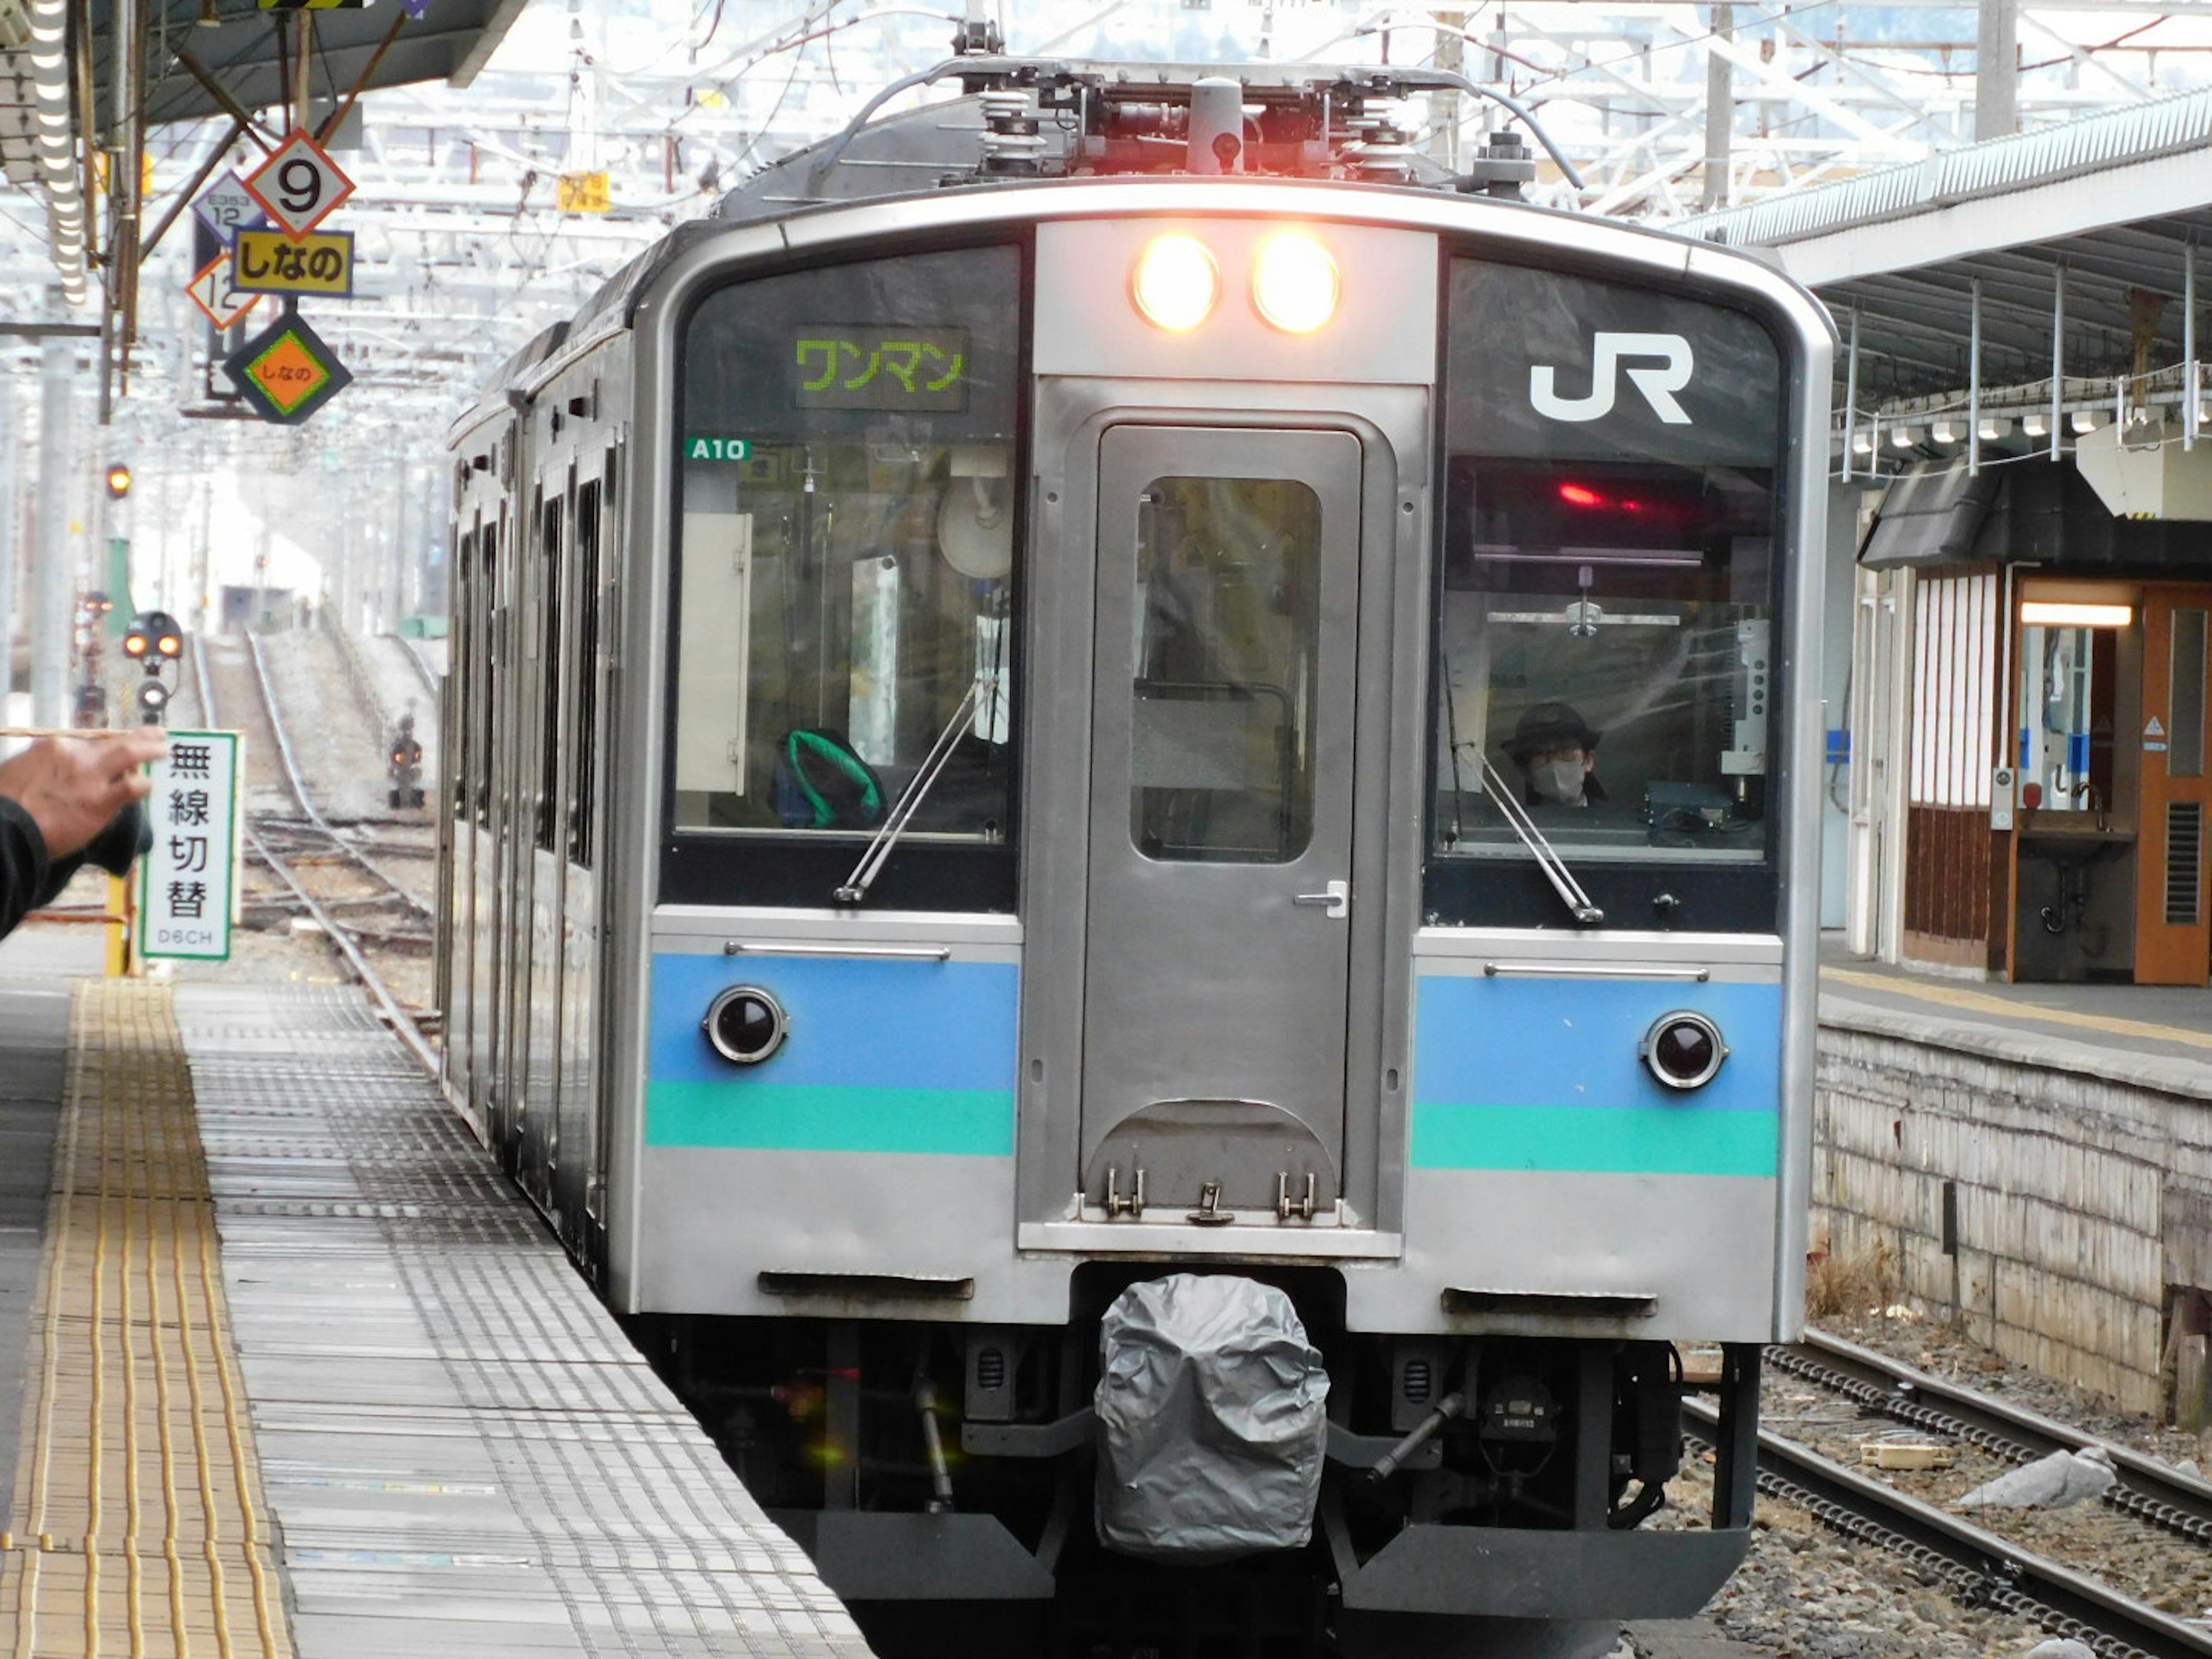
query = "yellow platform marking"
{"x": 1982, "y": 1002}
{"x": 137, "y": 1523}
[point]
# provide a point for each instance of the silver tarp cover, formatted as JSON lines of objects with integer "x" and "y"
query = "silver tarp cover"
{"x": 1212, "y": 1411}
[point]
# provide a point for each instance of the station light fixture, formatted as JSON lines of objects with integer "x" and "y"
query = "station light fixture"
{"x": 2071, "y": 613}
{"x": 1176, "y": 283}
{"x": 1295, "y": 283}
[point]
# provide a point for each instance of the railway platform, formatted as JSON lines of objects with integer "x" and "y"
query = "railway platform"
{"x": 2032, "y": 1163}
{"x": 294, "y": 1372}
{"x": 2158, "y": 1036}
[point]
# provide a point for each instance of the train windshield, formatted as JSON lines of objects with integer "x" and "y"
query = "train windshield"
{"x": 1609, "y": 584}
{"x": 846, "y": 550}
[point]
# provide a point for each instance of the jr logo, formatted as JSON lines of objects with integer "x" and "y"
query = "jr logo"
{"x": 1607, "y": 352}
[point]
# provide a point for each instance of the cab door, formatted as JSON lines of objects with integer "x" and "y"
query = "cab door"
{"x": 2173, "y": 929}
{"x": 1218, "y": 951}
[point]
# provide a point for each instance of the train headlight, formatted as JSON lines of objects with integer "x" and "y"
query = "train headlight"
{"x": 1295, "y": 283}
{"x": 746, "y": 1024}
{"x": 1176, "y": 282}
{"x": 1684, "y": 1050}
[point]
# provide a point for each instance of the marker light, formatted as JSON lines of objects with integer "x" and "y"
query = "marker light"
{"x": 746, "y": 1024}
{"x": 1176, "y": 283}
{"x": 1683, "y": 1049}
{"x": 1295, "y": 283}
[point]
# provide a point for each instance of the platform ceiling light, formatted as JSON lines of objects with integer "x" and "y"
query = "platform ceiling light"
{"x": 1176, "y": 282}
{"x": 1993, "y": 426}
{"x": 1903, "y": 437}
{"x": 1295, "y": 281}
{"x": 2088, "y": 420}
{"x": 1863, "y": 442}
{"x": 2071, "y": 613}
{"x": 1945, "y": 431}
{"x": 2035, "y": 426}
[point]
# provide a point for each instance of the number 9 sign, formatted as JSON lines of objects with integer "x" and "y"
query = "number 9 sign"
{"x": 299, "y": 185}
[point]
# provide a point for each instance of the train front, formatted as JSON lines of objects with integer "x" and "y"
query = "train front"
{"x": 1229, "y": 973}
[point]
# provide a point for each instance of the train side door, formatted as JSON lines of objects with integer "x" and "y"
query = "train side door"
{"x": 1217, "y": 957}
{"x": 2173, "y": 926}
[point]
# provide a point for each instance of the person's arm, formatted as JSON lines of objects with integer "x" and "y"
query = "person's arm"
{"x": 25, "y": 870}
{"x": 56, "y": 798}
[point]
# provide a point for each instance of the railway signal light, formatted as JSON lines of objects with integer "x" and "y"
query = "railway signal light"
{"x": 118, "y": 480}
{"x": 154, "y": 639}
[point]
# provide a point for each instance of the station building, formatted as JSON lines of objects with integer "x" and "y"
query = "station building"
{"x": 2020, "y": 546}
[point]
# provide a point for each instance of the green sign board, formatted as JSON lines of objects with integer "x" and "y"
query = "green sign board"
{"x": 715, "y": 449}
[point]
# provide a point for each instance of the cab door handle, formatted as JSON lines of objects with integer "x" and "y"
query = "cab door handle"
{"x": 1335, "y": 898}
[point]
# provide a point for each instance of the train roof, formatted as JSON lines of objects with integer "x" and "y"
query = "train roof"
{"x": 1028, "y": 121}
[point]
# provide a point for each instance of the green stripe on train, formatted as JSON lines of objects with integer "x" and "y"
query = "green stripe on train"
{"x": 820, "y": 1118}
{"x": 1595, "y": 1139}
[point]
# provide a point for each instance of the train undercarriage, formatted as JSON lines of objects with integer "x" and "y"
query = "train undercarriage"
{"x": 947, "y": 1480}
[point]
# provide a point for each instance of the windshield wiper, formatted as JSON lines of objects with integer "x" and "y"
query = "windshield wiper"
{"x": 1554, "y": 868}
{"x": 894, "y": 822}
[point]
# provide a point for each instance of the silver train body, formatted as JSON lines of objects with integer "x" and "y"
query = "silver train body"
{"x": 966, "y": 798}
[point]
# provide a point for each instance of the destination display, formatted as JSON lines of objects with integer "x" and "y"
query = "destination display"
{"x": 893, "y": 368}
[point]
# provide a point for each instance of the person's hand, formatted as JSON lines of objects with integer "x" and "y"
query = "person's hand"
{"x": 72, "y": 787}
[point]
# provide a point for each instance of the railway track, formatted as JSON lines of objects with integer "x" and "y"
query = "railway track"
{"x": 2149, "y": 1490}
{"x": 290, "y": 846}
{"x": 1980, "y": 1566}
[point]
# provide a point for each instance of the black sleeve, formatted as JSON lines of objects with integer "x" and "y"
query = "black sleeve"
{"x": 25, "y": 870}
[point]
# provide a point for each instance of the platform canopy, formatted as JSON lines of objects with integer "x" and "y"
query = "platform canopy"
{"x": 69, "y": 99}
{"x": 1981, "y": 275}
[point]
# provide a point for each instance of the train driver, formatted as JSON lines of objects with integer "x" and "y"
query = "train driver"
{"x": 1557, "y": 753}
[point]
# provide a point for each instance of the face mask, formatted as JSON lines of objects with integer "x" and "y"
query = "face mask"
{"x": 1558, "y": 781}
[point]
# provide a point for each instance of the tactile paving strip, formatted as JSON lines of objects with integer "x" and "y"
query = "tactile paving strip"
{"x": 463, "y": 1453}
{"x": 137, "y": 1525}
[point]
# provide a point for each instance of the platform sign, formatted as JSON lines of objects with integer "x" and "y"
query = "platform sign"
{"x": 214, "y": 292}
{"x": 298, "y": 186}
{"x": 188, "y": 879}
{"x": 226, "y": 207}
{"x": 269, "y": 262}
{"x": 286, "y": 372}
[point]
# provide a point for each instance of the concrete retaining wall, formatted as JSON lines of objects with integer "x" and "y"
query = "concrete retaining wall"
{"x": 2071, "y": 1190}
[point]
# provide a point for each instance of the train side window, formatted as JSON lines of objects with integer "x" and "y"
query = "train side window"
{"x": 585, "y": 724}
{"x": 456, "y": 718}
{"x": 1610, "y": 575}
{"x": 485, "y": 619}
{"x": 548, "y": 688}
{"x": 848, "y": 537}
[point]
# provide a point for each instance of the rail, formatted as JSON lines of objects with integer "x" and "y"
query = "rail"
{"x": 2146, "y": 1488}
{"x": 394, "y": 1012}
{"x": 1979, "y": 1567}
{"x": 296, "y": 784}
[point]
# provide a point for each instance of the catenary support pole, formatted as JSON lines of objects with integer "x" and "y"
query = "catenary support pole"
{"x": 50, "y": 560}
